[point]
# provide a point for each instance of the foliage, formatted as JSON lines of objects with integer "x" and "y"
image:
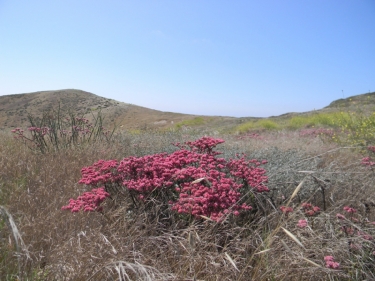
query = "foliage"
{"x": 191, "y": 122}
{"x": 265, "y": 124}
{"x": 314, "y": 120}
{"x": 356, "y": 128}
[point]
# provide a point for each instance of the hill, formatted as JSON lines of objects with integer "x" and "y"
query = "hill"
{"x": 14, "y": 110}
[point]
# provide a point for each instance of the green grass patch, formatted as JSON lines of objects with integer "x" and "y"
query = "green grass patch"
{"x": 316, "y": 120}
{"x": 263, "y": 124}
{"x": 191, "y": 122}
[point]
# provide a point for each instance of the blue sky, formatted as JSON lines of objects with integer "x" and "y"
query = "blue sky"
{"x": 208, "y": 57}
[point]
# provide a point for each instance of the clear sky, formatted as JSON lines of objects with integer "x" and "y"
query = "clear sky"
{"x": 208, "y": 57}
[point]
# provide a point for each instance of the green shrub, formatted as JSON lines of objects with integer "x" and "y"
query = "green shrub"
{"x": 256, "y": 125}
{"x": 317, "y": 119}
{"x": 297, "y": 122}
{"x": 267, "y": 124}
{"x": 245, "y": 127}
{"x": 356, "y": 128}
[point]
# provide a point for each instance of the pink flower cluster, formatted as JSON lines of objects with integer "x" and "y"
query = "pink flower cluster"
{"x": 302, "y": 223}
{"x": 101, "y": 172}
{"x": 330, "y": 262}
{"x": 204, "y": 145}
{"x": 309, "y": 209}
{"x": 349, "y": 210}
{"x": 193, "y": 178}
{"x": 88, "y": 201}
{"x": 286, "y": 210}
{"x": 367, "y": 161}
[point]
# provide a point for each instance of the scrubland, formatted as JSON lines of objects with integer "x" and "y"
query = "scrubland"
{"x": 316, "y": 221}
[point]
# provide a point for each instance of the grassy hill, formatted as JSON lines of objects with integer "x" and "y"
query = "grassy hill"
{"x": 14, "y": 110}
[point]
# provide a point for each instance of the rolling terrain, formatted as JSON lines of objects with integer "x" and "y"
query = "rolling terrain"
{"x": 14, "y": 111}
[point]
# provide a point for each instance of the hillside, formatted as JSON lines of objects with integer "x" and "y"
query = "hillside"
{"x": 366, "y": 101}
{"x": 14, "y": 110}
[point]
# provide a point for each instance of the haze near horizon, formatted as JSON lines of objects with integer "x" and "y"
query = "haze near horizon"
{"x": 238, "y": 58}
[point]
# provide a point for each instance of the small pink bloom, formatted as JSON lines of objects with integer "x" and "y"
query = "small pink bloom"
{"x": 286, "y": 210}
{"x": 349, "y": 209}
{"x": 329, "y": 258}
{"x": 302, "y": 223}
{"x": 330, "y": 262}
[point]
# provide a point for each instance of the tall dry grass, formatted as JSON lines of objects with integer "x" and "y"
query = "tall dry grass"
{"x": 124, "y": 244}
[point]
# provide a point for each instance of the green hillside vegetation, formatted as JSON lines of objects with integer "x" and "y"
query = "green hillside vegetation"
{"x": 197, "y": 121}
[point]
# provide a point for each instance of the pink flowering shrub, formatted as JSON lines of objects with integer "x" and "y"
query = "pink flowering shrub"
{"x": 192, "y": 180}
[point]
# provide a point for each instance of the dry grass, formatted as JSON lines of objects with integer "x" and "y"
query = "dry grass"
{"x": 126, "y": 244}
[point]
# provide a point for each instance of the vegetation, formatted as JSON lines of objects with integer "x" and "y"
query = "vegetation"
{"x": 266, "y": 124}
{"x": 193, "y": 206}
{"x": 191, "y": 122}
{"x": 56, "y": 130}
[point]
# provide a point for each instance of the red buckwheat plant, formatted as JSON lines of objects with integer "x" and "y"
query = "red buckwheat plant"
{"x": 192, "y": 180}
